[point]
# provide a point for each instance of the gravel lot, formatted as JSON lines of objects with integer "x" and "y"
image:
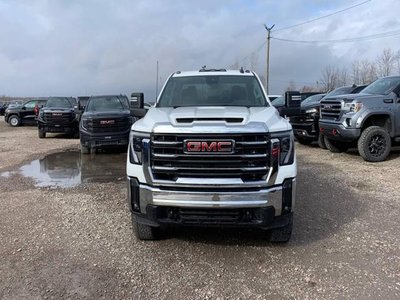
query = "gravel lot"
{"x": 78, "y": 242}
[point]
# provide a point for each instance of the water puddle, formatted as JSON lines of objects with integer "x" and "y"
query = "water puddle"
{"x": 70, "y": 168}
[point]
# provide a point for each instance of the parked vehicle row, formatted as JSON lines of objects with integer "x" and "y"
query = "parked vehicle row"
{"x": 369, "y": 121}
{"x": 362, "y": 117}
{"x": 306, "y": 123}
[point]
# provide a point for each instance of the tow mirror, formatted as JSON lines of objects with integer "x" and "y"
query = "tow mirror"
{"x": 137, "y": 100}
{"x": 292, "y": 104}
{"x": 137, "y": 105}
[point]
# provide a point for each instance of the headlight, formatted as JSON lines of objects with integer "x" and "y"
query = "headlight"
{"x": 137, "y": 146}
{"x": 353, "y": 107}
{"x": 312, "y": 111}
{"x": 284, "y": 150}
{"x": 87, "y": 124}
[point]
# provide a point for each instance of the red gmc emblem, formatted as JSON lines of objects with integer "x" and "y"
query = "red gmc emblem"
{"x": 107, "y": 122}
{"x": 212, "y": 147}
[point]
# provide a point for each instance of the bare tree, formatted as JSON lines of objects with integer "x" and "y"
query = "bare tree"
{"x": 397, "y": 61}
{"x": 385, "y": 62}
{"x": 368, "y": 72}
{"x": 343, "y": 77}
{"x": 307, "y": 88}
{"x": 355, "y": 70}
{"x": 291, "y": 86}
{"x": 329, "y": 78}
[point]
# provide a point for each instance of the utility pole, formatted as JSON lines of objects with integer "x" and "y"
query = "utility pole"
{"x": 267, "y": 66}
{"x": 157, "y": 83}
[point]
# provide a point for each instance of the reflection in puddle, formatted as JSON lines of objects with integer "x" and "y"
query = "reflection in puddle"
{"x": 69, "y": 169}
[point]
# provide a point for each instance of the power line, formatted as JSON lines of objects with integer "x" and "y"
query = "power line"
{"x": 249, "y": 55}
{"x": 322, "y": 17}
{"x": 347, "y": 40}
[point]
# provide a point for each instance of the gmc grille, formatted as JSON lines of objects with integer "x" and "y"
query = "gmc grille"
{"x": 249, "y": 161}
{"x": 53, "y": 118}
{"x": 331, "y": 109}
{"x": 116, "y": 125}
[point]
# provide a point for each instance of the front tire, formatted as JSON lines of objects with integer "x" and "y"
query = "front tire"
{"x": 282, "y": 235}
{"x": 335, "y": 146}
{"x": 321, "y": 141}
{"x": 42, "y": 134}
{"x": 374, "y": 144}
{"x": 14, "y": 121}
{"x": 145, "y": 232}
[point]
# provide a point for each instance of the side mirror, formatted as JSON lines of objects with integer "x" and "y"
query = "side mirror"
{"x": 137, "y": 105}
{"x": 23, "y": 108}
{"x": 292, "y": 104}
{"x": 137, "y": 100}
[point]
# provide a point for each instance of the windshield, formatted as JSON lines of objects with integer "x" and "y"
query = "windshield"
{"x": 340, "y": 91}
{"x": 313, "y": 99}
{"x": 212, "y": 90}
{"x": 383, "y": 86}
{"x": 279, "y": 101}
{"x": 60, "y": 102}
{"x": 107, "y": 103}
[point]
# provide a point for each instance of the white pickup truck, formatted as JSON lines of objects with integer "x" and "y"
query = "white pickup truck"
{"x": 212, "y": 151}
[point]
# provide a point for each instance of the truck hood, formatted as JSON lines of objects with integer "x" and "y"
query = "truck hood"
{"x": 212, "y": 120}
{"x": 359, "y": 97}
{"x": 55, "y": 109}
{"x": 102, "y": 115}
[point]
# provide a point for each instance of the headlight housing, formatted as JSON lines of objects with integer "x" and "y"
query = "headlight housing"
{"x": 353, "y": 107}
{"x": 137, "y": 146}
{"x": 87, "y": 124}
{"x": 312, "y": 111}
{"x": 284, "y": 149}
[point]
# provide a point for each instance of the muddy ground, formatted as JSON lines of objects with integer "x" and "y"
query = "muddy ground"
{"x": 77, "y": 242}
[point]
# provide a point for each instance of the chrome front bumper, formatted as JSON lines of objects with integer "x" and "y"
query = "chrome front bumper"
{"x": 208, "y": 198}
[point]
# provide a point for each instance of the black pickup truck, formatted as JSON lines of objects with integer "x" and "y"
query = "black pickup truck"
{"x": 105, "y": 123}
{"x": 23, "y": 114}
{"x": 58, "y": 116}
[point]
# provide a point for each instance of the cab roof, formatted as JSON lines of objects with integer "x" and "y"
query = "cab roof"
{"x": 213, "y": 72}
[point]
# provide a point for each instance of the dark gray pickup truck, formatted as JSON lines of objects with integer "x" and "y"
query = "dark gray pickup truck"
{"x": 369, "y": 120}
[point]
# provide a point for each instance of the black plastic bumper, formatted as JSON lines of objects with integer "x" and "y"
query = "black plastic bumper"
{"x": 56, "y": 128}
{"x": 104, "y": 139}
{"x": 339, "y": 132}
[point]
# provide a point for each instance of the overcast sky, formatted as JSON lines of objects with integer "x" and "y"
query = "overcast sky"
{"x": 88, "y": 47}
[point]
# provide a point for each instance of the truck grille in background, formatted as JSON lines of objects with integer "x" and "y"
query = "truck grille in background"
{"x": 250, "y": 160}
{"x": 55, "y": 118}
{"x": 331, "y": 109}
{"x": 110, "y": 125}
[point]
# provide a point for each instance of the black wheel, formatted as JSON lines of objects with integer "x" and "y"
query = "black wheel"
{"x": 335, "y": 146}
{"x": 374, "y": 144}
{"x": 42, "y": 134}
{"x": 282, "y": 235}
{"x": 145, "y": 232}
{"x": 303, "y": 141}
{"x": 14, "y": 121}
{"x": 85, "y": 150}
{"x": 321, "y": 141}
